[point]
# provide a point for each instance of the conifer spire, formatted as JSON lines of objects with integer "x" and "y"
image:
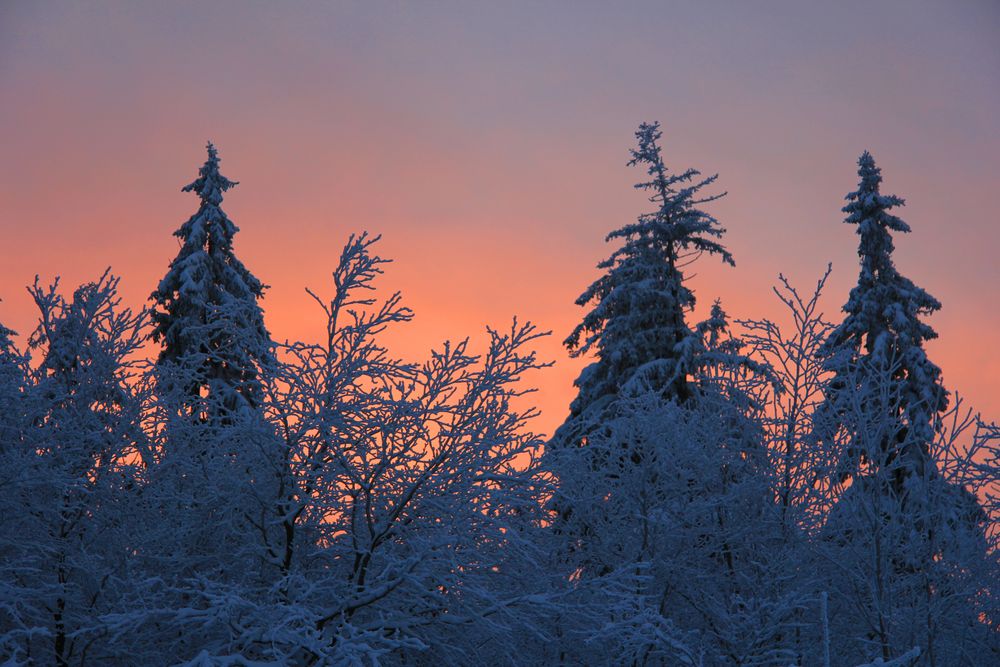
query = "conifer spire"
{"x": 206, "y": 314}
{"x": 883, "y": 329}
{"x": 637, "y": 325}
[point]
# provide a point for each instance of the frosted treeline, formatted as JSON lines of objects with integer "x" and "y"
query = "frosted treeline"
{"x": 177, "y": 488}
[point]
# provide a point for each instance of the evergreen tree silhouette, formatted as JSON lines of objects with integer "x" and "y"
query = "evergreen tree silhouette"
{"x": 637, "y": 325}
{"x": 206, "y": 313}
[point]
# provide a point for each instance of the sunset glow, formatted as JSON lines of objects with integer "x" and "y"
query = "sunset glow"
{"x": 488, "y": 147}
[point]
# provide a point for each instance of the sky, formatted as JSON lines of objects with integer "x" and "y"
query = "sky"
{"x": 487, "y": 143}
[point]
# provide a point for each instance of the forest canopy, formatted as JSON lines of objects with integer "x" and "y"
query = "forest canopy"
{"x": 179, "y": 488}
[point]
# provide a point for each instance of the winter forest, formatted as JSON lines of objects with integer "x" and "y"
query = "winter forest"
{"x": 177, "y": 487}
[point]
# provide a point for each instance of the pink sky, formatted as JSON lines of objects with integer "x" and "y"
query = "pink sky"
{"x": 488, "y": 146}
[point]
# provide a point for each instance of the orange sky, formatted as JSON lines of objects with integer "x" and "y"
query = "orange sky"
{"x": 488, "y": 146}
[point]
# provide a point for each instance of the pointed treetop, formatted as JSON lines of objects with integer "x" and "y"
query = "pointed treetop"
{"x": 678, "y": 222}
{"x": 6, "y": 344}
{"x": 867, "y": 206}
{"x": 648, "y": 150}
{"x": 716, "y": 324}
{"x": 870, "y": 175}
{"x": 5, "y": 335}
{"x": 210, "y": 183}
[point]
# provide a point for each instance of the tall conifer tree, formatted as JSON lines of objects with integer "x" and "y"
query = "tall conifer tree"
{"x": 207, "y": 315}
{"x": 883, "y": 331}
{"x": 906, "y": 531}
{"x": 637, "y": 325}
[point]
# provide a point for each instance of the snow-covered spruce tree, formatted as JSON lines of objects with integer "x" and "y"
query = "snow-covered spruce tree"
{"x": 904, "y": 541}
{"x": 66, "y": 479}
{"x": 662, "y": 501}
{"x": 883, "y": 329}
{"x": 213, "y": 454}
{"x": 637, "y": 326}
{"x": 207, "y": 317}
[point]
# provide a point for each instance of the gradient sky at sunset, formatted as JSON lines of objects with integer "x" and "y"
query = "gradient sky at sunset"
{"x": 487, "y": 142}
